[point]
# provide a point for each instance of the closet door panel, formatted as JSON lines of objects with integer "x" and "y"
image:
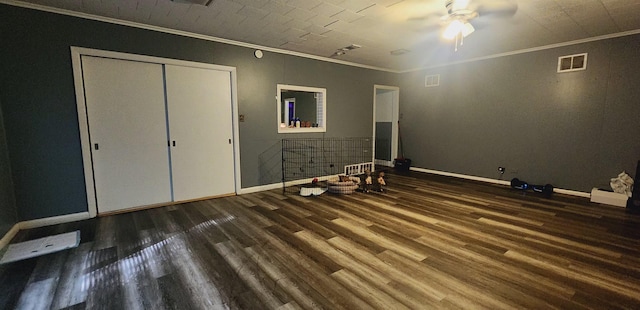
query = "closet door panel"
{"x": 199, "y": 109}
{"x": 128, "y": 132}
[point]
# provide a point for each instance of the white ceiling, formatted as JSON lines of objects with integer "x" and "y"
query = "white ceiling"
{"x": 320, "y": 27}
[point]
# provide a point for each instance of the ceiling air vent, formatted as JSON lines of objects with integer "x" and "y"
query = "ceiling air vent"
{"x": 572, "y": 62}
{"x": 198, "y": 2}
{"x": 432, "y": 80}
{"x": 399, "y": 52}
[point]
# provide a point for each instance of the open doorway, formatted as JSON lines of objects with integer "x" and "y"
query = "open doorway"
{"x": 290, "y": 111}
{"x": 385, "y": 124}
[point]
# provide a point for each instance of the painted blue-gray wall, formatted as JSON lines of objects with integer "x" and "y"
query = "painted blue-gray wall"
{"x": 8, "y": 215}
{"x": 574, "y": 130}
{"x": 39, "y": 102}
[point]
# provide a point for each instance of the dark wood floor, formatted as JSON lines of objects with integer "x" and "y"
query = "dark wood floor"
{"x": 428, "y": 242}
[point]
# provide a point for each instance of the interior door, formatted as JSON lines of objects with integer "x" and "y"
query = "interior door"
{"x": 200, "y": 125}
{"x": 386, "y": 126}
{"x": 128, "y": 132}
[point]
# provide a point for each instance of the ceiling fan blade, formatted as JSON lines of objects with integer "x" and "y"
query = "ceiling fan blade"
{"x": 458, "y": 5}
{"x": 434, "y": 16}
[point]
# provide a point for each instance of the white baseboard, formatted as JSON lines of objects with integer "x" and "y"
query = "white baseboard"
{"x": 268, "y": 187}
{"x": 85, "y": 215}
{"x": 9, "y": 235}
{"x": 54, "y": 220}
{"x": 461, "y": 176}
{"x": 494, "y": 181}
{"x": 67, "y": 218}
{"x": 571, "y": 192}
{"x": 260, "y": 188}
{"x": 386, "y": 163}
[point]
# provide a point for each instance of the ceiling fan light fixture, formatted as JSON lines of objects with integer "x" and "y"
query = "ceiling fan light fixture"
{"x": 467, "y": 29}
{"x": 454, "y": 28}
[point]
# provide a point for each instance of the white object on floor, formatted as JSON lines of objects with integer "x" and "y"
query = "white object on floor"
{"x": 42, "y": 246}
{"x": 610, "y": 198}
{"x": 315, "y": 191}
{"x": 622, "y": 184}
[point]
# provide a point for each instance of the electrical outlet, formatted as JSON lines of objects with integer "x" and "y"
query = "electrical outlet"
{"x": 501, "y": 169}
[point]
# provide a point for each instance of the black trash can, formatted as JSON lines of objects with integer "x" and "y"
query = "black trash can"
{"x": 402, "y": 164}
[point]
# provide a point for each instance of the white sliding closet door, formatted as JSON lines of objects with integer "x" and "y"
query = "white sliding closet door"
{"x": 128, "y": 132}
{"x": 200, "y": 123}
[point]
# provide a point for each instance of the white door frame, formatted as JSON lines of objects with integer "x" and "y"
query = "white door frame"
{"x": 394, "y": 126}
{"x": 285, "y": 119}
{"x": 83, "y": 122}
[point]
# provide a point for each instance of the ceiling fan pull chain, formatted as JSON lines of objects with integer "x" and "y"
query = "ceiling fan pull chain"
{"x": 456, "y": 43}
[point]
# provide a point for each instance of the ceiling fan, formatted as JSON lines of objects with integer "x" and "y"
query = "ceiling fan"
{"x": 457, "y": 23}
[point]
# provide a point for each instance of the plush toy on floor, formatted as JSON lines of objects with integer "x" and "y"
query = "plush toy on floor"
{"x": 368, "y": 181}
{"x": 381, "y": 182}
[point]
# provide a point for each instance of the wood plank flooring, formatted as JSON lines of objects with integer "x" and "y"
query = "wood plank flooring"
{"x": 428, "y": 242}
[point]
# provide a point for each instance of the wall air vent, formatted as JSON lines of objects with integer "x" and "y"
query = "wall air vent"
{"x": 575, "y": 62}
{"x": 432, "y": 80}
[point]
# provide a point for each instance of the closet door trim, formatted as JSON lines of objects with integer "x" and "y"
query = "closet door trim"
{"x": 83, "y": 122}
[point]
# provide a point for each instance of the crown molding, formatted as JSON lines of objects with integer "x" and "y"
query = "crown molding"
{"x": 187, "y": 34}
{"x": 299, "y": 54}
{"x": 530, "y": 50}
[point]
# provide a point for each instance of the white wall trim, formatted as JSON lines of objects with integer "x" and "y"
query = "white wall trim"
{"x": 272, "y": 186}
{"x": 47, "y": 221}
{"x": 185, "y": 34}
{"x": 80, "y": 51}
{"x": 83, "y": 121}
{"x": 87, "y": 215}
{"x": 261, "y": 188}
{"x": 571, "y": 192}
{"x": 386, "y": 163}
{"x": 494, "y": 181}
{"x": 299, "y": 54}
{"x": 319, "y": 92}
{"x": 236, "y": 129}
{"x": 9, "y": 235}
{"x": 461, "y": 176}
{"x": 529, "y": 50}
{"x": 83, "y": 124}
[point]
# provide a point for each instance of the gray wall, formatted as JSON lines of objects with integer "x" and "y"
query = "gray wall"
{"x": 574, "y": 130}
{"x": 8, "y": 215}
{"x": 40, "y": 115}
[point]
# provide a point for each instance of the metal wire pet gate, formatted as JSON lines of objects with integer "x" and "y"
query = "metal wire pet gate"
{"x": 304, "y": 158}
